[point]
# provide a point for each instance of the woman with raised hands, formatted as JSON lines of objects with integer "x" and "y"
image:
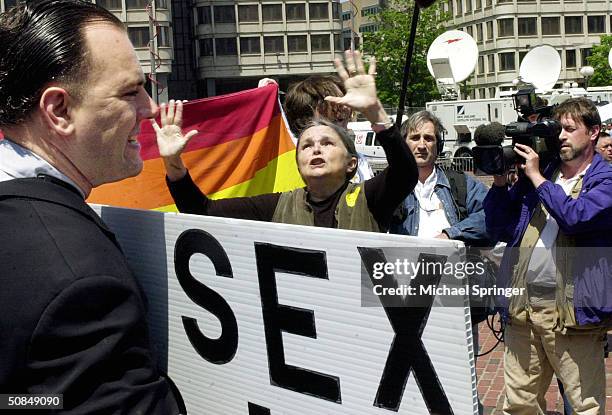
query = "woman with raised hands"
{"x": 326, "y": 159}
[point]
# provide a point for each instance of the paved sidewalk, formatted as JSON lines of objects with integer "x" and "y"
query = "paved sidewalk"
{"x": 490, "y": 369}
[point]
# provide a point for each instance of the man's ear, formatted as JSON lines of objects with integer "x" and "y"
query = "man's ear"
{"x": 595, "y": 133}
{"x": 55, "y": 109}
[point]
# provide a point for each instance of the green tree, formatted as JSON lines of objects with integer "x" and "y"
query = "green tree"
{"x": 599, "y": 61}
{"x": 389, "y": 45}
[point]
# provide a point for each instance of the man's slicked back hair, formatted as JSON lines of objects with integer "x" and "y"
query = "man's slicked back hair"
{"x": 43, "y": 41}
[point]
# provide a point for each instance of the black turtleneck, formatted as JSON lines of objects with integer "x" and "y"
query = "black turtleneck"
{"x": 383, "y": 192}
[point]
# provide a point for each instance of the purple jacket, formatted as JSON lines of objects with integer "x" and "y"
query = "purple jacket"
{"x": 588, "y": 219}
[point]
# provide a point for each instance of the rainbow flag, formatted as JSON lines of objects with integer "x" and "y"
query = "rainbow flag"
{"x": 244, "y": 148}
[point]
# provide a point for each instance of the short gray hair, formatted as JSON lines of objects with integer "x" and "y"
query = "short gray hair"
{"x": 346, "y": 139}
{"x": 420, "y": 118}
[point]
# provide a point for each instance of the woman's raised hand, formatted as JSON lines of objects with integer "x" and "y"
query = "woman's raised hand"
{"x": 170, "y": 139}
{"x": 360, "y": 87}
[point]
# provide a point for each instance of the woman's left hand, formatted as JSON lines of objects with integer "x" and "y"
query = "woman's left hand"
{"x": 360, "y": 87}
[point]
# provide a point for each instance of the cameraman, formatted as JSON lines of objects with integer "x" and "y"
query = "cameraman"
{"x": 557, "y": 324}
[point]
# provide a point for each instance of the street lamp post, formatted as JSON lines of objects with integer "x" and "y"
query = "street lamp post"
{"x": 353, "y": 14}
{"x": 587, "y": 72}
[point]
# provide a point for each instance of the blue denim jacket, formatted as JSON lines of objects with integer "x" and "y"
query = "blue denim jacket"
{"x": 471, "y": 230}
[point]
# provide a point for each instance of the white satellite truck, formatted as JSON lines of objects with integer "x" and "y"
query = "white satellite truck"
{"x": 452, "y": 58}
{"x": 461, "y": 118}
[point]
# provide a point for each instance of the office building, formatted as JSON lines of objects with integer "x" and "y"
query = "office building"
{"x": 505, "y": 30}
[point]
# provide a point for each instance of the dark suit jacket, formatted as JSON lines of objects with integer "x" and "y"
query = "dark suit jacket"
{"x": 72, "y": 316}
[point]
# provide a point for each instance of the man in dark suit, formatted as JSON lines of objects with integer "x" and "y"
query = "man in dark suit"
{"x": 72, "y": 316}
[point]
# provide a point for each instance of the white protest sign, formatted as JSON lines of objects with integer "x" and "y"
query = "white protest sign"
{"x": 261, "y": 318}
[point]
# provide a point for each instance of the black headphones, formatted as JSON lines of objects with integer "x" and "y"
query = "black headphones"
{"x": 440, "y": 143}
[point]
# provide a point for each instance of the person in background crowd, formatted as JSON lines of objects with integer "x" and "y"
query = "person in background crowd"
{"x": 561, "y": 221}
{"x": 435, "y": 208}
{"x": 604, "y": 146}
{"x": 305, "y": 101}
{"x": 72, "y": 315}
{"x": 326, "y": 159}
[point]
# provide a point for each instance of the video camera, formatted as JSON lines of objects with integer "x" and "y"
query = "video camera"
{"x": 534, "y": 128}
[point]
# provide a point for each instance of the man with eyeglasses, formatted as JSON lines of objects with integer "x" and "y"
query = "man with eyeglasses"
{"x": 604, "y": 146}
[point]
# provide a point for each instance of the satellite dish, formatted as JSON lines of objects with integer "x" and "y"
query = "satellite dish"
{"x": 610, "y": 58}
{"x": 452, "y": 57}
{"x": 541, "y": 67}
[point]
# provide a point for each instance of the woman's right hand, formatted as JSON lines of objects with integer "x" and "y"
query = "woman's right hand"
{"x": 170, "y": 139}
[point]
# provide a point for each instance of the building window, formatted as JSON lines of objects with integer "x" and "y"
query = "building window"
{"x": 336, "y": 10}
{"x": 297, "y": 43}
{"x": 139, "y": 36}
{"x": 527, "y": 26}
{"x": 490, "y": 30}
{"x": 248, "y": 13}
{"x": 505, "y": 27}
{"x": 368, "y": 28}
{"x": 346, "y": 16}
{"x": 478, "y": 6}
{"x": 347, "y": 43}
{"x": 585, "y": 53}
{"x": 459, "y": 7}
{"x": 522, "y": 55}
{"x": 573, "y": 25}
{"x": 226, "y": 46}
{"x": 488, "y": 3}
{"x": 468, "y": 6}
{"x": 370, "y": 10}
{"x": 224, "y": 14}
{"x": 136, "y": 4}
{"x": 482, "y": 93}
{"x": 250, "y": 46}
{"x": 272, "y": 12}
{"x": 273, "y": 44}
{"x": 107, "y": 4}
{"x": 338, "y": 43}
{"x": 163, "y": 36}
{"x": 161, "y": 4}
{"x": 506, "y": 61}
{"x": 469, "y": 31}
{"x": 491, "y": 63}
{"x": 479, "y": 29}
{"x": 319, "y": 43}
{"x": 297, "y": 12}
{"x": 9, "y": 4}
{"x": 319, "y": 11}
{"x": 492, "y": 92}
{"x": 596, "y": 24}
{"x": 551, "y": 26}
{"x": 481, "y": 69}
{"x": 204, "y": 15}
{"x": 570, "y": 58}
{"x": 206, "y": 47}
